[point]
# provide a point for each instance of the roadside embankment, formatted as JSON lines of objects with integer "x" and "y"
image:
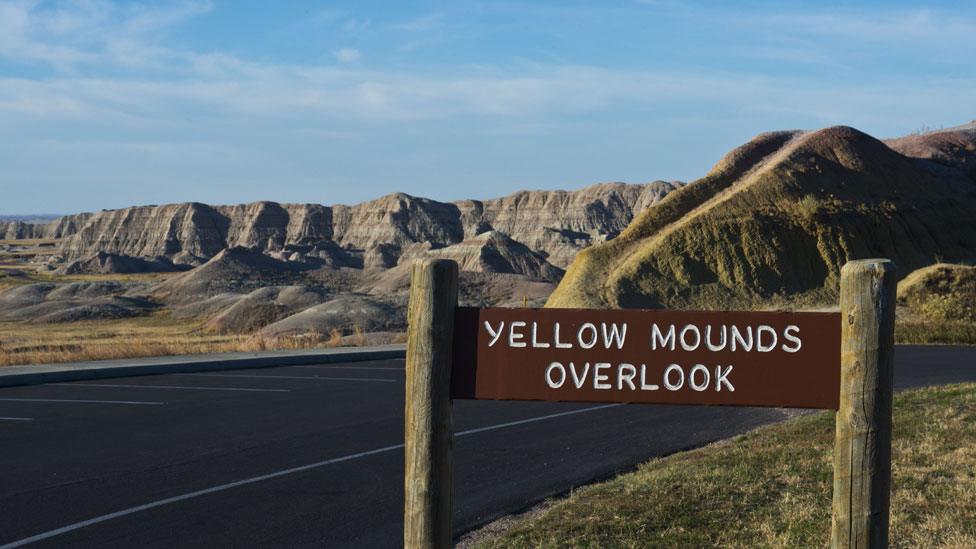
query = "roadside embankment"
{"x": 772, "y": 488}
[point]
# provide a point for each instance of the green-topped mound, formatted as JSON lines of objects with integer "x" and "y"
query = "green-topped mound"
{"x": 774, "y": 221}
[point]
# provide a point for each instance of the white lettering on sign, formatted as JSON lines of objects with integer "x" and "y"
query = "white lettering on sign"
{"x": 555, "y": 336}
{"x": 722, "y": 376}
{"x": 579, "y": 378}
{"x": 493, "y": 333}
{"x": 690, "y": 329}
{"x": 615, "y": 336}
{"x": 704, "y": 378}
{"x": 589, "y": 335}
{"x": 715, "y": 347}
{"x": 758, "y": 338}
{"x": 600, "y": 379}
{"x": 626, "y": 374}
{"x": 674, "y": 385}
{"x": 658, "y": 338}
{"x": 737, "y": 337}
{"x": 536, "y": 344}
{"x": 792, "y": 339}
{"x": 515, "y": 338}
{"x": 645, "y": 386}
{"x": 596, "y": 375}
{"x": 770, "y": 337}
{"x": 610, "y": 335}
{"x": 591, "y": 342}
{"x": 558, "y": 368}
{"x": 762, "y": 339}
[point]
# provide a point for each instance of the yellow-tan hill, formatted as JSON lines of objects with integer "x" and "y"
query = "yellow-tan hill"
{"x": 940, "y": 292}
{"x": 773, "y": 222}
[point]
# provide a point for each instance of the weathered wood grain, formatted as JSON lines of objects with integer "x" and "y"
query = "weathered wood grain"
{"x": 862, "y": 447}
{"x": 428, "y": 497}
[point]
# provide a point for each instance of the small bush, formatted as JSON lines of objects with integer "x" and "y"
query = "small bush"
{"x": 808, "y": 206}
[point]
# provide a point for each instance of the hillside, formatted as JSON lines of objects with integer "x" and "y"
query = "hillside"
{"x": 772, "y": 223}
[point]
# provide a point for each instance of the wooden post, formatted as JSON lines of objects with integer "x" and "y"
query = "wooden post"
{"x": 427, "y": 495}
{"x": 862, "y": 447}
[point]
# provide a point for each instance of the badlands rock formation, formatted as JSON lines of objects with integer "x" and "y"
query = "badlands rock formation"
{"x": 769, "y": 226}
{"x": 315, "y": 268}
{"x": 49, "y": 302}
{"x": 342, "y": 314}
{"x": 233, "y": 270}
{"x": 59, "y": 228}
{"x": 106, "y": 263}
{"x": 774, "y": 221}
{"x": 375, "y": 234}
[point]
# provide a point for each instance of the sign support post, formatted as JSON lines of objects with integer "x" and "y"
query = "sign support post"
{"x": 862, "y": 447}
{"x": 428, "y": 497}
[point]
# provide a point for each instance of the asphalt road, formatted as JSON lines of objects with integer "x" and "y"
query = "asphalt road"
{"x": 312, "y": 455}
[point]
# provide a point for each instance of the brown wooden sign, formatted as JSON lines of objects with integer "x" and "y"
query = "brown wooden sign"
{"x": 668, "y": 357}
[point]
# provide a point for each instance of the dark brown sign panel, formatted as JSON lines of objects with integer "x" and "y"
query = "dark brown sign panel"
{"x": 668, "y": 357}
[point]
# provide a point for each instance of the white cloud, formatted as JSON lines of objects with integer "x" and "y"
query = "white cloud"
{"x": 67, "y": 35}
{"x": 348, "y": 55}
{"x": 111, "y": 60}
{"x": 112, "y": 71}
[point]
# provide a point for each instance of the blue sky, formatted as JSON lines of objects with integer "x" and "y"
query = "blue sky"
{"x": 110, "y": 104}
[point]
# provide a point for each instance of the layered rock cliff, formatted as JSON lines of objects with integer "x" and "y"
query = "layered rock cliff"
{"x": 59, "y": 228}
{"x": 374, "y": 234}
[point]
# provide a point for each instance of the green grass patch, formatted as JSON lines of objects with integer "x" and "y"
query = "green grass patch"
{"x": 772, "y": 488}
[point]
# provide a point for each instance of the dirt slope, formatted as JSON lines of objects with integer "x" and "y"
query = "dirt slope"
{"x": 774, "y": 220}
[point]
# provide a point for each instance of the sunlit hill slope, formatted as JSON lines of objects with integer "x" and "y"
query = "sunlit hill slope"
{"x": 772, "y": 223}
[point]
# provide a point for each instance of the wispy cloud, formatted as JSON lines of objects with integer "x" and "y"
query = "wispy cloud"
{"x": 108, "y": 38}
{"x": 94, "y": 73}
{"x": 67, "y": 35}
{"x": 889, "y": 26}
{"x": 348, "y": 55}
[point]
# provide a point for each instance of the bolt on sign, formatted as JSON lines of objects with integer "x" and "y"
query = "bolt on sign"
{"x": 777, "y": 359}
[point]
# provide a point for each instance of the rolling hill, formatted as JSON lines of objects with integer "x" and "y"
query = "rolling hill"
{"x": 774, "y": 220}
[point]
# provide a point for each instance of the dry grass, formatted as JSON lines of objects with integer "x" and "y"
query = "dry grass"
{"x": 937, "y": 332}
{"x": 937, "y": 304}
{"x": 27, "y": 275}
{"x": 158, "y": 335}
{"x": 772, "y": 488}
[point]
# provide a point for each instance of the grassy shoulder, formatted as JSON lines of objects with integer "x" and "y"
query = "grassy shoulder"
{"x": 772, "y": 488}
{"x": 153, "y": 335}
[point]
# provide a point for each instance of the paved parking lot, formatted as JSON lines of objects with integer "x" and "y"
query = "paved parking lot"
{"x": 312, "y": 455}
